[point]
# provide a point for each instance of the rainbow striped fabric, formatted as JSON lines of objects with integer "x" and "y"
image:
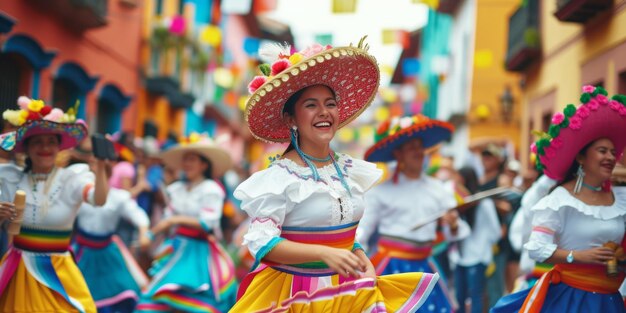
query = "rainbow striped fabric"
{"x": 42, "y": 240}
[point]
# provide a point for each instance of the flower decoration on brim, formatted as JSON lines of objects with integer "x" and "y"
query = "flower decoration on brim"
{"x": 393, "y": 133}
{"x": 36, "y": 118}
{"x": 202, "y": 144}
{"x": 350, "y": 72}
{"x": 596, "y": 117}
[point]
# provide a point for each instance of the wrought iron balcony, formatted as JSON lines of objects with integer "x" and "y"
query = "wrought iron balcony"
{"x": 78, "y": 14}
{"x": 524, "y": 40}
{"x": 579, "y": 11}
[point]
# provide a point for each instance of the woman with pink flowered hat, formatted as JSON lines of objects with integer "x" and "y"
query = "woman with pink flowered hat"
{"x": 306, "y": 206}
{"x": 38, "y": 273}
{"x": 579, "y": 226}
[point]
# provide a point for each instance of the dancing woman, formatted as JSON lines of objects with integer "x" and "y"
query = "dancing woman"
{"x": 306, "y": 207}
{"x": 580, "y": 224}
{"x": 38, "y": 273}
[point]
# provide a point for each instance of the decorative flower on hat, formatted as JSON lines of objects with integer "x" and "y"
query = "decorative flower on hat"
{"x": 570, "y": 130}
{"x": 33, "y": 110}
{"x": 279, "y": 58}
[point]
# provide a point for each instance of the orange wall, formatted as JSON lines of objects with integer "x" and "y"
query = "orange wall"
{"x": 110, "y": 52}
{"x": 490, "y": 78}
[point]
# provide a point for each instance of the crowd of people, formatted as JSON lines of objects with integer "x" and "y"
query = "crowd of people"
{"x": 159, "y": 229}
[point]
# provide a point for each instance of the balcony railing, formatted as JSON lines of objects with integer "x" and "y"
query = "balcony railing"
{"x": 524, "y": 39}
{"x": 80, "y": 15}
{"x": 579, "y": 11}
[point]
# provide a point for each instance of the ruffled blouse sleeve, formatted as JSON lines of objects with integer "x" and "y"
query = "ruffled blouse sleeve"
{"x": 264, "y": 196}
{"x": 130, "y": 210}
{"x": 10, "y": 176}
{"x": 81, "y": 183}
{"x": 363, "y": 174}
{"x": 212, "y": 201}
{"x": 546, "y": 222}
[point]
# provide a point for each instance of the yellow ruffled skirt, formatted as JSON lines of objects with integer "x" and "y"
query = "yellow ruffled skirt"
{"x": 271, "y": 290}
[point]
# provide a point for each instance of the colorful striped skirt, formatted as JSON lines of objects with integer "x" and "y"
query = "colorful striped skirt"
{"x": 110, "y": 270}
{"x": 396, "y": 255}
{"x": 192, "y": 273}
{"x": 313, "y": 287}
{"x": 38, "y": 275}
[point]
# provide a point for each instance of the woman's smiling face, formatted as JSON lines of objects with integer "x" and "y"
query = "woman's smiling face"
{"x": 316, "y": 115}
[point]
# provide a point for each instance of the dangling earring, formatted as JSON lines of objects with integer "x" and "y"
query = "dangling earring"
{"x": 293, "y": 132}
{"x": 579, "y": 180}
{"x": 396, "y": 172}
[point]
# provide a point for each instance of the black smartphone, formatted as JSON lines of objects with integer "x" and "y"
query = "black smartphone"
{"x": 103, "y": 148}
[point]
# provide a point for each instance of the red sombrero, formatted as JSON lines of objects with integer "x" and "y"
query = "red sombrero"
{"x": 350, "y": 72}
{"x": 393, "y": 133}
{"x": 597, "y": 117}
{"x": 36, "y": 118}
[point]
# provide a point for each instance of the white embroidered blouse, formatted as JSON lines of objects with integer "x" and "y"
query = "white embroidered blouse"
{"x": 204, "y": 201}
{"x": 286, "y": 194}
{"x": 561, "y": 220}
{"x": 51, "y": 204}
{"x": 396, "y": 208}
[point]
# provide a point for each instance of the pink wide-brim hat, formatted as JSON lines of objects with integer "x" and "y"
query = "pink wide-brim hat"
{"x": 599, "y": 118}
{"x": 350, "y": 72}
{"x": 71, "y": 134}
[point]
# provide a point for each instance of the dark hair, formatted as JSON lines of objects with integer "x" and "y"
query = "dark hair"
{"x": 470, "y": 181}
{"x": 290, "y": 106}
{"x": 208, "y": 173}
{"x": 28, "y": 163}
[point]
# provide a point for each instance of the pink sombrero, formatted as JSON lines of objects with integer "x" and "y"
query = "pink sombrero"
{"x": 393, "y": 133}
{"x": 350, "y": 72}
{"x": 597, "y": 117}
{"x": 36, "y": 118}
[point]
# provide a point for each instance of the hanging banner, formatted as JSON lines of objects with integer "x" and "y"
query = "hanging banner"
{"x": 251, "y": 46}
{"x": 395, "y": 36}
{"x": 324, "y": 39}
{"x": 410, "y": 67}
{"x": 483, "y": 58}
{"x": 211, "y": 35}
{"x": 344, "y": 6}
{"x": 239, "y": 7}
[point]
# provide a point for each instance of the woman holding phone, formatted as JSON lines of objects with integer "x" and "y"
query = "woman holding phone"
{"x": 38, "y": 273}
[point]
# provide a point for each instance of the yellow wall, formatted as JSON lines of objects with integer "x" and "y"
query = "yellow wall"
{"x": 566, "y": 48}
{"x": 490, "y": 77}
{"x": 157, "y": 108}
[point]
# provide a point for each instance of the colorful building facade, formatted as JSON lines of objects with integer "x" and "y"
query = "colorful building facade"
{"x": 65, "y": 52}
{"x": 580, "y": 42}
{"x": 495, "y": 109}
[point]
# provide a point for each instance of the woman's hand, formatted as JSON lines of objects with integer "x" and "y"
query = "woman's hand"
{"x": 598, "y": 255}
{"x": 343, "y": 262}
{"x": 162, "y": 226}
{"x": 7, "y": 211}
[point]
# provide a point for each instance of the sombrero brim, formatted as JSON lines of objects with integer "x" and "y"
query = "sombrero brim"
{"x": 71, "y": 134}
{"x": 220, "y": 159}
{"x": 431, "y": 133}
{"x": 349, "y": 71}
{"x": 605, "y": 122}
